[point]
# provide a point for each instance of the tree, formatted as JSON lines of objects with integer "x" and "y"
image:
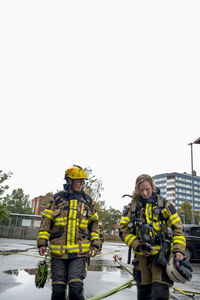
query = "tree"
{"x": 109, "y": 218}
{"x": 4, "y": 212}
{"x": 185, "y": 212}
{"x": 18, "y": 202}
{"x": 49, "y": 195}
{"x": 197, "y": 217}
{"x": 94, "y": 185}
{"x": 3, "y": 177}
{"x": 186, "y": 208}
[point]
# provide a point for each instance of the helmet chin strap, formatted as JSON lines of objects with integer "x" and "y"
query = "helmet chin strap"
{"x": 71, "y": 186}
{"x": 66, "y": 187}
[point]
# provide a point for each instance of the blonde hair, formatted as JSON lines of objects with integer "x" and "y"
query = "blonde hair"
{"x": 140, "y": 179}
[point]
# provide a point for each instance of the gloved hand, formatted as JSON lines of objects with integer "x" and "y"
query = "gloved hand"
{"x": 93, "y": 251}
{"x": 186, "y": 264}
{"x": 42, "y": 250}
{"x": 145, "y": 248}
{"x": 179, "y": 256}
{"x": 184, "y": 268}
{"x": 186, "y": 272}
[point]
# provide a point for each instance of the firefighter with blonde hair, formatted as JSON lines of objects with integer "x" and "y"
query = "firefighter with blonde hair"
{"x": 152, "y": 229}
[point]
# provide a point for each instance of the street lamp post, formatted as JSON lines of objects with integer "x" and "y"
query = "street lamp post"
{"x": 197, "y": 141}
{"x": 192, "y": 172}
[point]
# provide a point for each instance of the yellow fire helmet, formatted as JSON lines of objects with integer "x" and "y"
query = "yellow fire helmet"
{"x": 75, "y": 172}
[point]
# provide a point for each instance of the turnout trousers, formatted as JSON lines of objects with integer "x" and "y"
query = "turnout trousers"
{"x": 152, "y": 281}
{"x": 71, "y": 272}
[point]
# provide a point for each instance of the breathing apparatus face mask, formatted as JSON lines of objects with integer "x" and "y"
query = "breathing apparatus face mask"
{"x": 147, "y": 234}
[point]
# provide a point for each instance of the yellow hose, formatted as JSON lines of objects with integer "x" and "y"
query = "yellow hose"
{"x": 121, "y": 287}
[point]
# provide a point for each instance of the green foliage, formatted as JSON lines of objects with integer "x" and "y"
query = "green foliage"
{"x": 4, "y": 212}
{"x": 18, "y": 202}
{"x": 4, "y": 215}
{"x": 48, "y": 197}
{"x": 3, "y": 177}
{"x": 94, "y": 185}
{"x": 197, "y": 217}
{"x": 186, "y": 208}
{"x": 185, "y": 212}
{"x": 109, "y": 218}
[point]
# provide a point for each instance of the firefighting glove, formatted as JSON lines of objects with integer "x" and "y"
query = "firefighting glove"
{"x": 41, "y": 274}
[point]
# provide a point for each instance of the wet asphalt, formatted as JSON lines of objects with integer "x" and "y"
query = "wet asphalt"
{"x": 17, "y": 273}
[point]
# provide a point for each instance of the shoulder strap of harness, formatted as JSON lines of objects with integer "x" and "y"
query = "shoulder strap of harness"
{"x": 87, "y": 198}
{"x": 161, "y": 201}
{"x": 58, "y": 196}
{"x": 133, "y": 207}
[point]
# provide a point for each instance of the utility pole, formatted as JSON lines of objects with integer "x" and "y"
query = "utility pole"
{"x": 192, "y": 172}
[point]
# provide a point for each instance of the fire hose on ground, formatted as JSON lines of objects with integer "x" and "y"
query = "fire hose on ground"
{"x": 128, "y": 283}
{"x": 121, "y": 287}
{"x": 188, "y": 293}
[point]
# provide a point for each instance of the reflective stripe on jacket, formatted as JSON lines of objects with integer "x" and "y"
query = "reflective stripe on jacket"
{"x": 169, "y": 217}
{"x": 70, "y": 225}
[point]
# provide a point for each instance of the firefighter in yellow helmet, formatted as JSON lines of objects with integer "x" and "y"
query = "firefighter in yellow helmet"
{"x": 144, "y": 227}
{"x": 70, "y": 228}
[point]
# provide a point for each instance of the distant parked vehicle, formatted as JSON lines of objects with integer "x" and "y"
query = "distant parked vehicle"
{"x": 192, "y": 234}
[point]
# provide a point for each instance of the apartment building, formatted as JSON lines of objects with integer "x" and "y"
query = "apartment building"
{"x": 177, "y": 187}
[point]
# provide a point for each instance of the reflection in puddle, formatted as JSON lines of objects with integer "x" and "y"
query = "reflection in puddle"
{"x": 12, "y": 272}
{"x": 23, "y": 275}
{"x": 106, "y": 267}
{"x": 16, "y": 272}
{"x": 98, "y": 270}
{"x": 24, "y": 284}
{"x": 97, "y": 266}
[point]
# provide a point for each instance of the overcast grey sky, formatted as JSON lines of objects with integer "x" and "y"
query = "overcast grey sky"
{"x": 113, "y": 85}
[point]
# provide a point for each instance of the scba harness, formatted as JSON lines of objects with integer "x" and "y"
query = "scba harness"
{"x": 69, "y": 223}
{"x": 148, "y": 223}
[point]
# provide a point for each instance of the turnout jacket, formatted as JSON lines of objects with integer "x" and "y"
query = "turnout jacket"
{"x": 69, "y": 225}
{"x": 158, "y": 213}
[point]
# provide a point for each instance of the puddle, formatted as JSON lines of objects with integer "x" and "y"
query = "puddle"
{"x": 24, "y": 285}
{"x": 100, "y": 266}
{"x": 97, "y": 267}
{"x": 103, "y": 274}
{"x": 17, "y": 272}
